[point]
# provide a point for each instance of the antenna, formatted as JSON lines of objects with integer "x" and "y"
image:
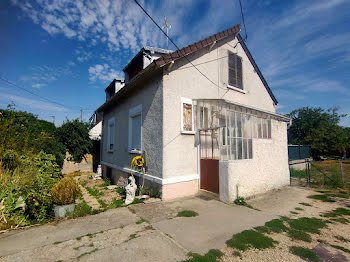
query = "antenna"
{"x": 167, "y": 26}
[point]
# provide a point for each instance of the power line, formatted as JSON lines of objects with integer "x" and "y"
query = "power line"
{"x": 245, "y": 28}
{"x": 41, "y": 97}
{"x": 178, "y": 49}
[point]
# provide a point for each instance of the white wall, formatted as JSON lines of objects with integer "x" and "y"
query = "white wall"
{"x": 183, "y": 80}
{"x": 267, "y": 170}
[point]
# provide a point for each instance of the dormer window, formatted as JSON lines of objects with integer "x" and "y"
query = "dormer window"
{"x": 235, "y": 71}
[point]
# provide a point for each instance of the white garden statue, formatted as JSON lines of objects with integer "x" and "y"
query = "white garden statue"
{"x": 130, "y": 191}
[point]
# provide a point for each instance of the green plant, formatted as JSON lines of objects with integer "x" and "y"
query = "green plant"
{"x": 276, "y": 225}
{"x": 140, "y": 221}
{"x": 299, "y": 235}
{"x": 240, "y": 201}
{"x": 237, "y": 254}
{"x": 211, "y": 256}
{"x": 299, "y": 209}
{"x": 304, "y": 253}
{"x": 305, "y": 204}
{"x": 250, "y": 238}
{"x": 65, "y": 192}
{"x": 94, "y": 192}
{"x": 341, "y": 248}
{"x": 311, "y": 225}
{"x": 337, "y": 212}
{"x": 323, "y": 198}
{"x": 187, "y": 213}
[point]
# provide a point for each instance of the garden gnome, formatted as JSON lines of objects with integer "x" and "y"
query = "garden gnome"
{"x": 130, "y": 191}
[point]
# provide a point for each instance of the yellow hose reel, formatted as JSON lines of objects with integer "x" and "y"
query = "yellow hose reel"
{"x": 137, "y": 161}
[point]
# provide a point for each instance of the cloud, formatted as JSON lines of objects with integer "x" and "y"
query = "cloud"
{"x": 38, "y": 85}
{"x": 103, "y": 73}
{"x": 32, "y": 103}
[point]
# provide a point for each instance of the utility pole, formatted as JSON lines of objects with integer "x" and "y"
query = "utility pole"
{"x": 81, "y": 115}
{"x": 167, "y": 26}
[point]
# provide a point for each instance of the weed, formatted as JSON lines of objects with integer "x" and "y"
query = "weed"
{"x": 102, "y": 203}
{"x": 343, "y": 239}
{"x": 82, "y": 209}
{"x": 90, "y": 235}
{"x": 132, "y": 236}
{"x": 106, "y": 182}
{"x": 299, "y": 209}
{"x": 140, "y": 221}
{"x": 57, "y": 242}
{"x": 276, "y": 225}
{"x": 294, "y": 213}
{"x": 250, "y": 238}
{"x": 337, "y": 212}
{"x": 297, "y": 173}
{"x": 262, "y": 229}
{"x": 323, "y": 198}
{"x": 121, "y": 190}
{"x": 305, "y": 204}
{"x": 132, "y": 210}
{"x": 149, "y": 227}
{"x": 116, "y": 203}
{"x": 284, "y": 218}
{"x": 341, "y": 220}
{"x": 311, "y": 225}
{"x": 211, "y": 256}
{"x": 299, "y": 235}
{"x": 237, "y": 254}
{"x": 88, "y": 253}
{"x": 341, "y": 248}
{"x": 94, "y": 192}
{"x": 322, "y": 241}
{"x": 304, "y": 253}
{"x": 78, "y": 238}
{"x": 187, "y": 213}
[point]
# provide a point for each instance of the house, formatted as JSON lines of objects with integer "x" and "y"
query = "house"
{"x": 203, "y": 117}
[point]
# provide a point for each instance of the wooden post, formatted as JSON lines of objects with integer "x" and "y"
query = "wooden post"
{"x": 341, "y": 170}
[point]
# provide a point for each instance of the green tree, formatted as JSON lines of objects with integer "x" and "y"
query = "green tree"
{"x": 318, "y": 128}
{"x": 75, "y": 136}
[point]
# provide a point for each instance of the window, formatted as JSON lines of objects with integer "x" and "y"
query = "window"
{"x": 110, "y": 135}
{"x": 135, "y": 128}
{"x": 187, "y": 116}
{"x": 235, "y": 71}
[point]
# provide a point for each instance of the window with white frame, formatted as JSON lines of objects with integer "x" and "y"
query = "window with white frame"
{"x": 187, "y": 126}
{"x": 110, "y": 135}
{"x": 135, "y": 129}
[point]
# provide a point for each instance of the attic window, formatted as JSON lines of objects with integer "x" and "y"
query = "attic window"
{"x": 235, "y": 71}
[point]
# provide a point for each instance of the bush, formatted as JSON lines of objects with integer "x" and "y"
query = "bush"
{"x": 65, "y": 192}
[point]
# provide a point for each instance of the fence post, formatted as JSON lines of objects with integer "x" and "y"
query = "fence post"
{"x": 341, "y": 170}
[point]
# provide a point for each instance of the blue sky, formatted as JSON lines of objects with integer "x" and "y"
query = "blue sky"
{"x": 69, "y": 51}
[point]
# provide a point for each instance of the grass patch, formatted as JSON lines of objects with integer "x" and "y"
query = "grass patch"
{"x": 57, "y": 242}
{"x": 297, "y": 173}
{"x": 323, "y": 198}
{"x": 305, "y": 204}
{"x": 337, "y": 212}
{"x": 211, "y": 256}
{"x": 82, "y": 209}
{"x": 276, "y": 225}
{"x": 237, "y": 254}
{"x": 299, "y": 235}
{"x": 341, "y": 248}
{"x": 284, "y": 218}
{"x": 306, "y": 224}
{"x": 102, "y": 203}
{"x": 140, "y": 221}
{"x": 132, "y": 236}
{"x": 322, "y": 241}
{"x": 88, "y": 253}
{"x": 187, "y": 213}
{"x": 250, "y": 238}
{"x": 304, "y": 253}
{"x": 262, "y": 229}
{"x": 106, "y": 182}
{"x": 298, "y": 208}
{"x": 342, "y": 239}
{"x": 94, "y": 192}
{"x": 294, "y": 213}
{"x": 341, "y": 220}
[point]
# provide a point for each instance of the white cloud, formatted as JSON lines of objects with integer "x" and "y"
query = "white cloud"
{"x": 103, "y": 73}
{"x": 32, "y": 103}
{"x": 38, "y": 85}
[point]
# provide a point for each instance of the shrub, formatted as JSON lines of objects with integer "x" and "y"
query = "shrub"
{"x": 65, "y": 192}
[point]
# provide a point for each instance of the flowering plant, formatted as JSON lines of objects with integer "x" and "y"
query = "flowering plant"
{"x": 240, "y": 201}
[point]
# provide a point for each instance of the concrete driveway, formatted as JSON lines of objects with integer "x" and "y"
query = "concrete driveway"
{"x": 115, "y": 235}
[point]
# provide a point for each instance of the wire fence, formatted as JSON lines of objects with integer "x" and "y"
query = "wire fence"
{"x": 330, "y": 173}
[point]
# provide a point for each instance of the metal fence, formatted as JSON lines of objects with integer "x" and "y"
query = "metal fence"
{"x": 296, "y": 152}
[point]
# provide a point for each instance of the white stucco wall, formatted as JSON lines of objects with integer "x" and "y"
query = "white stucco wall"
{"x": 96, "y": 132}
{"x": 266, "y": 171}
{"x": 183, "y": 80}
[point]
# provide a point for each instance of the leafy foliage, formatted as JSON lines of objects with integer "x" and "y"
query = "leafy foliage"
{"x": 320, "y": 129}
{"x": 75, "y": 136}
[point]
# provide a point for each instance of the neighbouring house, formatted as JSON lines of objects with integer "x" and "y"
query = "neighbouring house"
{"x": 203, "y": 118}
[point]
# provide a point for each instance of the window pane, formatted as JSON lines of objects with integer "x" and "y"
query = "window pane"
{"x": 136, "y": 132}
{"x": 259, "y": 128}
{"x": 269, "y": 128}
{"x": 239, "y": 125}
{"x": 187, "y": 117}
{"x": 239, "y": 148}
{"x": 250, "y": 148}
{"x": 234, "y": 148}
{"x": 264, "y": 128}
{"x": 245, "y": 145}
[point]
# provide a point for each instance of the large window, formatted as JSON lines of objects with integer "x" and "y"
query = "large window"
{"x": 187, "y": 116}
{"x": 135, "y": 129}
{"x": 110, "y": 135}
{"x": 235, "y": 71}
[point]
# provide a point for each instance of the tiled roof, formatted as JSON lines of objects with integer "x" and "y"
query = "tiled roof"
{"x": 165, "y": 59}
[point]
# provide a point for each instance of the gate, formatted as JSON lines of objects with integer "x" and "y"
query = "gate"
{"x": 209, "y": 159}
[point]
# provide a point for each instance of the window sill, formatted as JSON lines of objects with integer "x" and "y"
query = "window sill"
{"x": 188, "y": 132}
{"x": 135, "y": 151}
{"x": 236, "y": 89}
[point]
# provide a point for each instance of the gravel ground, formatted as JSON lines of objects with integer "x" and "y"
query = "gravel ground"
{"x": 329, "y": 235}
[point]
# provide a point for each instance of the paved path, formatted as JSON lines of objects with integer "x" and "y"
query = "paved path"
{"x": 114, "y": 235}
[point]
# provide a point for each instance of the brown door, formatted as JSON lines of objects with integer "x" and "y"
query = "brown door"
{"x": 209, "y": 160}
